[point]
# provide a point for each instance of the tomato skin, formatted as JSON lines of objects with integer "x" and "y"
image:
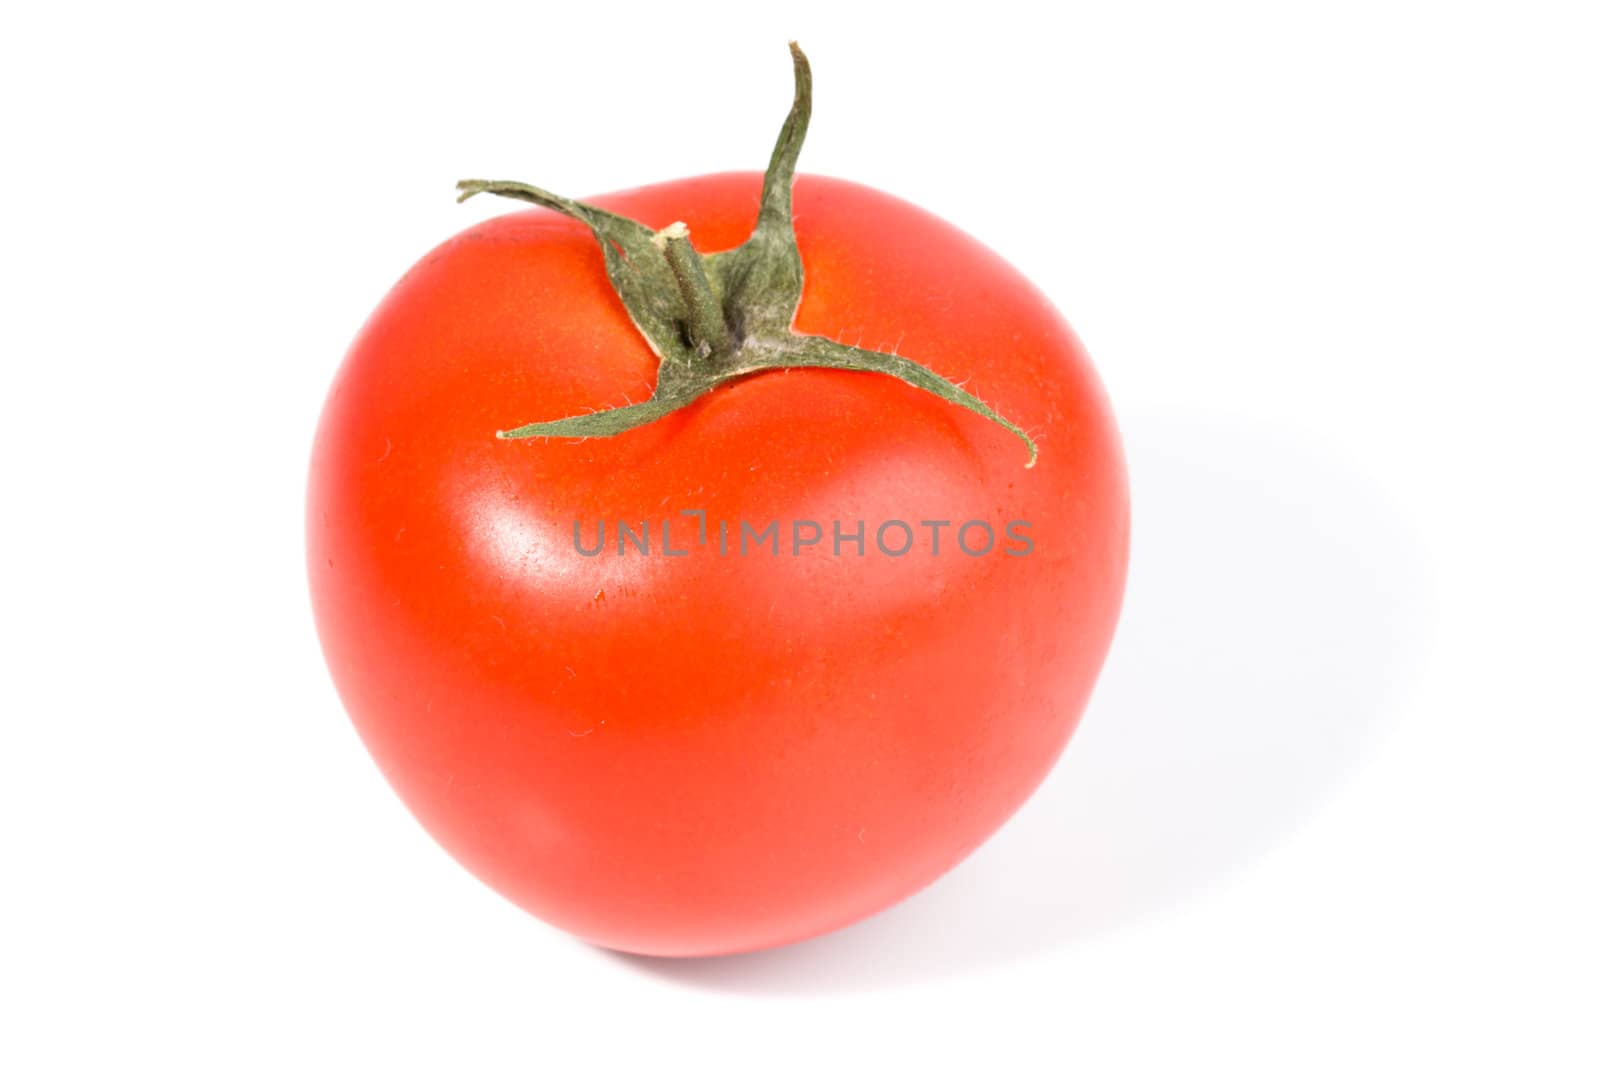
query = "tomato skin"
{"x": 707, "y": 754}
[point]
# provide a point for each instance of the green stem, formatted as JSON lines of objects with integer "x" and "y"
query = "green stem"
{"x": 703, "y": 321}
{"x": 714, "y": 319}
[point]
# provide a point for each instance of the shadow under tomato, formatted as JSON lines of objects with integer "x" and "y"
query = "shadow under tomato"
{"x": 1276, "y": 610}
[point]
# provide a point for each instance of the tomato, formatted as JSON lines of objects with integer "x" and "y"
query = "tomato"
{"x": 714, "y": 750}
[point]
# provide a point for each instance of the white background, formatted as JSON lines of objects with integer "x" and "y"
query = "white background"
{"x": 1335, "y": 799}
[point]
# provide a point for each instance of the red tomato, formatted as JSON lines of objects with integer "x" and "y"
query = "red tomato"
{"x": 706, "y": 753}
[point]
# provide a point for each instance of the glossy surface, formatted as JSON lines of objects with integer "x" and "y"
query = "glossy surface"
{"x": 710, "y": 753}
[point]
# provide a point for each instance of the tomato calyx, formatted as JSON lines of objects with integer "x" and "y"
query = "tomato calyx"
{"x": 711, "y": 319}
